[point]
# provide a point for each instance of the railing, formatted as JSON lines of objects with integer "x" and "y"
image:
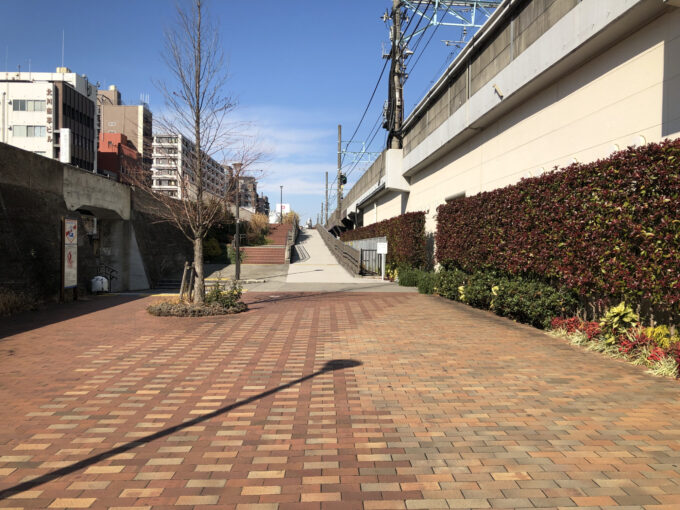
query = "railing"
{"x": 347, "y": 257}
{"x": 371, "y": 262}
{"x": 107, "y": 271}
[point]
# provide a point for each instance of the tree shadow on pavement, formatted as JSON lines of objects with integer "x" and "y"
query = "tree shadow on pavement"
{"x": 330, "y": 366}
{"x": 51, "y": 313}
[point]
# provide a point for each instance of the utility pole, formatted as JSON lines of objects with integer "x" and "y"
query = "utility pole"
{"x": 326, "y": 200}
{"x": 281, "y": 211}
{"x": 395, "y": 98}
{"x": 237, "y": 245}
{"x": 339, "y": 167}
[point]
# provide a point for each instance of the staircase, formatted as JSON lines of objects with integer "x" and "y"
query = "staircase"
{"x": 274, "y": 253}
{"x": 168, "y": 284}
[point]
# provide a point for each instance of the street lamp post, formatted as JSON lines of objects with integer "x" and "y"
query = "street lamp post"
{"x": 281, "y": 211}
{"x": 237, "y": 244}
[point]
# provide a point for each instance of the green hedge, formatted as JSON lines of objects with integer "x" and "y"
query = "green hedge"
{"x": 405, "y": 235}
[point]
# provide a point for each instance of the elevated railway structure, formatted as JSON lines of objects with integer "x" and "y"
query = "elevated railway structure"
{"x": 543, "y": 83}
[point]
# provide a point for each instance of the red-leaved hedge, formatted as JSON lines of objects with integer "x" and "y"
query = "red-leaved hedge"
{"x": 607, "y": 229}
{"x": 406, "y": 242}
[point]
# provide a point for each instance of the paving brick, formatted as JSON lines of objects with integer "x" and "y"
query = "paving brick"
{"x": 447, "y": 407}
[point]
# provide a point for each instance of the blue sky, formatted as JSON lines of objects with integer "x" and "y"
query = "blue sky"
{"x": 297, "y": 69}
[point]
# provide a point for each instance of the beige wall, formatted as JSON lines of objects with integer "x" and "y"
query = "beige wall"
{"x": 628, "y": 95}
{"x": 386, "y": 206}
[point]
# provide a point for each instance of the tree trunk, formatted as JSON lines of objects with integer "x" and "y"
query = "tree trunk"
{"x": 199, "y": 283}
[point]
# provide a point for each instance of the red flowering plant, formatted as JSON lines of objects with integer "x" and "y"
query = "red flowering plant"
{"x": 575, "y": 324}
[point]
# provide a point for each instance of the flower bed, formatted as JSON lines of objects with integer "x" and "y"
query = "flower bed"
{"x": 620, "y": 335}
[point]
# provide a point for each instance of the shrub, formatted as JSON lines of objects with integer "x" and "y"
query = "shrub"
{"x": 224, "y": 297}
{"x": 408, "y": 276}
{"x": 231, "y": 255}
{"x": 12, "y": 302}
{"x": 257, "y": 230}
{"x": 522, "y": 299}
{"x": 211, "y": 248}
{"x": 406, "y": 241}
{"x": 605, "y": 229}
{"x": 449, "y": 281}
{"x": 426, "y": 282}
{"x": 181, "y": 309}
{"x": 477, "y": 291}
{"x": 218, "y": 301}
{"x": 616, "y": 321}
{"x": 532, "y": 302}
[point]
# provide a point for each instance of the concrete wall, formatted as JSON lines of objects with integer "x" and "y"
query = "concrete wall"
{"x": 589, "y": 78}
{"x": 628, "y": 95}
{"x": 37, "y": 192}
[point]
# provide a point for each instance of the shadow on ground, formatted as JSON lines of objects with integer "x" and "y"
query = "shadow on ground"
{"x": 51, "y": 313}
{"x": 330, "y": 366}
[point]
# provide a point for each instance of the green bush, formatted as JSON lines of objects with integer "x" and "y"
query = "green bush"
{"x": 181, "y": 309}
{"x": 522, "y": 299}
{"x": 532, "y": 302}
{"x": 408, "y": 276}
{"x": 449, "y": 281}
{"x": 225, "y": 297}
{"x": 231, "y": 255}
{"x": 211, "y": 248}
{"x": 478, "y": 289}
{"x": 426, "y": 282}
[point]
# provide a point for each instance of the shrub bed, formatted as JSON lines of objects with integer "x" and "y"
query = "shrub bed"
{"x": 608, "y": 229}
{"x": 522, "y": 299}
{"x": 218, "y": 301}
{"x": 407, "y": 244}
{"x": 619, "y": 334}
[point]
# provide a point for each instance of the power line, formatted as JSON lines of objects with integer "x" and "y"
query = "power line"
{"x": 375, "y": 89}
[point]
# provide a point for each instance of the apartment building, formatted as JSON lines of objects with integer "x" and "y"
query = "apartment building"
{"x": 118, "y": 159}
{"x": 133, "y": 121}
{"x": 51, "y": 114}
{"x": 262, "y": 206}
{"x": 172, "y": 171}
{"x": 248, "y": 190}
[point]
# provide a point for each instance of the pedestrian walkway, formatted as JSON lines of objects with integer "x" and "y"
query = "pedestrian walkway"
{"x": 319, "y": 264}
{"x": 312, "y": 269}
{"x": 328, "y": 401}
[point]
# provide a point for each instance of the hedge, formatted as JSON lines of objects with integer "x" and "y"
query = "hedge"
{"x": 405, "y": 238}
{"x": 606, "y": 229}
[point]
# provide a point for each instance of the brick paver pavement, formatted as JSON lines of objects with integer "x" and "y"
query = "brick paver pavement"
{"x": 444, "y": 407}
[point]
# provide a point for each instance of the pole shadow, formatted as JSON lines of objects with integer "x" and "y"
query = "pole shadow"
{"x": 330, "y": 366}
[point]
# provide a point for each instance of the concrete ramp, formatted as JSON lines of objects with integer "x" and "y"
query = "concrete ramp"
{"x": 314, "y": 263}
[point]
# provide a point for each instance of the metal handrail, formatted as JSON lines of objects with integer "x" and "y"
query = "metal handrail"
{"x": 347, "y": 257}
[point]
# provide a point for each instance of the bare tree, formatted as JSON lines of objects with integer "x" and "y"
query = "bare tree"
{"x": 197, "y": 108}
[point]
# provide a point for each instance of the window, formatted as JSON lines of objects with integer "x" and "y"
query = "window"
{"x": 28, "y": 105}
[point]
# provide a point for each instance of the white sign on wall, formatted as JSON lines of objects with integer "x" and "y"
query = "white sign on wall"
{"x": 382, "y": 248}
{"x": 70, "y": 253}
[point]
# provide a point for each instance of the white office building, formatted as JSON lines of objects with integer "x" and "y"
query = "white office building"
{"x": 173, "y": 157}
{"x": 51, "y": 114}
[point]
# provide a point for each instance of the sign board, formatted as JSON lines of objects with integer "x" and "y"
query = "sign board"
{"x": 382, "y": 249}
{"x": 70, "y": 253}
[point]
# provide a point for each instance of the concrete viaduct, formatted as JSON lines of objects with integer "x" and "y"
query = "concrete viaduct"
{"x": 544, "y": 83}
